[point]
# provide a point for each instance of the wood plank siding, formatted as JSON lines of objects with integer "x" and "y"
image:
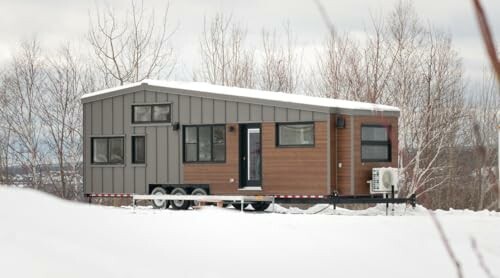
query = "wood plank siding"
{"x": 285, "y": 170}
{"x": 295, "y": 170}
{"x": 218, "y": 175}
{"x": 363, "y": 170}
{"x": 353, "y": 174}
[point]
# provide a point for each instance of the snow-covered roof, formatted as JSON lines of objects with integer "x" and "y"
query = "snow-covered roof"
{"x": 251, "y": 94}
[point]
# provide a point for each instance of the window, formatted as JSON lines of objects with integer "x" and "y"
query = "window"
{"x": 205, "y": 143}
{"x": 297, "y": 134}
{"x": 375, "y": 145}
{"x": 107, "y": 150}
{"x": 138, "y": 149}
{"x": 157, "y": 113}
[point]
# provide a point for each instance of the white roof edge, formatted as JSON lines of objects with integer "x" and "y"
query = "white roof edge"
{"x": 252, "y": 93}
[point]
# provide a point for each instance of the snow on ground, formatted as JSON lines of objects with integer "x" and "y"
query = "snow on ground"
{"x": 41, "y": 236}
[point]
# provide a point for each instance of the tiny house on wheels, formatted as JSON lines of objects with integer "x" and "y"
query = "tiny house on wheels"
{"x": 158, "y": 137}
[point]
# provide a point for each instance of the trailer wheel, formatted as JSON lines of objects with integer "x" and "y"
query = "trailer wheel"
{"x": 260, "y": 206}
{"x": 179, "y": 204}
{"x": 198, "y": 191}
{"x": 160, "y": 204}
{"x": 237, "y": 205}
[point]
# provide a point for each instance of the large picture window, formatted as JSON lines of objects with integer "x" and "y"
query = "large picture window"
{"x": 155, "y": 113}
{"x": 107, "y": 150}
{"x": 205, "y": 143}
{"x": 375, "y": 143}
{"x": 295, "y": 134}
{"x": 138, "y": 149}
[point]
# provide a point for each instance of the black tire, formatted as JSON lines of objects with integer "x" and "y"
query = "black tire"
{"x": 179, "y": 204}
{"x": 238, "y": 205}
{"x": 160, "y": 204}
{"x": 198, "y": 191}
{"x": 260, "y": 206}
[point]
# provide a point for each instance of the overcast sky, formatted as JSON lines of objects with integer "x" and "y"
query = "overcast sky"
{"x": 57, "y": 21}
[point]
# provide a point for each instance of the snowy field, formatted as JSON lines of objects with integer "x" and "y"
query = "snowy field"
{"x": 41, "y": 236}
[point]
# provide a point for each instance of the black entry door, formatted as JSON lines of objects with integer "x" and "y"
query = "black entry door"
{"x": 250, "y": 155}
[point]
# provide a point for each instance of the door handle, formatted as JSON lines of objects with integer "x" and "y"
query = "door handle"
{"x": 244, "y": 158}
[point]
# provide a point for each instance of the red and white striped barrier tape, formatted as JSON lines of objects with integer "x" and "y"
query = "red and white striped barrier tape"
{"x": 128, "y": 195}
{"x": 113, "y": 195}
{"x": 299, "y": 196}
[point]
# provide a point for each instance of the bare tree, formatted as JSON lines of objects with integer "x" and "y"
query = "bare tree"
{"x": 434, "y": 115}
{"x": 22, "y": 85}
{"x": 131, "y": 48}
{"x": 281, "y": 63}
{"x": 4, "y": 139}
{"x": 61, "y": 111}
{"x": 224, "y": 58}
{"x": 357, "y": 70}
{"x": 482, "y": 118}
{"x": 336, "y": 73}
{"x": 414, "y": 67}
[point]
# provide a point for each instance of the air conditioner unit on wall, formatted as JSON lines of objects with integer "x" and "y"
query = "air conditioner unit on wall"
{"x": 383, "y": 179}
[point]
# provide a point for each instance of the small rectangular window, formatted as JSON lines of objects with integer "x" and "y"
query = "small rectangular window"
{"x": 142, "y": 114}
{"x": 154, "y": 113}
{"x": 107, "y": 150}
{"x": 190, "y": 144}
{"x": 375, "y": 143}
{"x": 219, "y": 143}
{"x": 138, "y": 149}
{"x": 205, "y": 143}
{"x": 100, "y": 154}
{"x": 296, "y": 134}
{"x": 161, "y": 113}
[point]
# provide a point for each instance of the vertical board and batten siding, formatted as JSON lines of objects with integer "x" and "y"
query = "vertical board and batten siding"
{"x": 112, "y": 117}
{"x": 352, "y": 177}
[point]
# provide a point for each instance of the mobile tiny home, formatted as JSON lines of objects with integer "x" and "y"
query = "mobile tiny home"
{"x": 232, "y": 141}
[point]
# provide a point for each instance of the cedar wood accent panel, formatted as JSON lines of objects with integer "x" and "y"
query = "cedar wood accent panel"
{"x": 288, "y": 170}
{"x": 353, "y": 180}
{"x": 342, "y": 145}
{"x": 218, "y": 175}
{"x": 292, "y": 170}
{"x": 333, "y": 154}
{"x": 363, "y": 170}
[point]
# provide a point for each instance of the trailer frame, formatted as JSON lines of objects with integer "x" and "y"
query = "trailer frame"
{"x": 334, "y": 199}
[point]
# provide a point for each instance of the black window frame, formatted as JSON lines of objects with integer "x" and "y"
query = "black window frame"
{"x": 376, "y": 143}
{"x": 133, "y": 154}
{"x": 151, "y": 120}
{"x": 295, "y": 145}
{"x": 184, "y": 155}
{"x": 122, "y": 162}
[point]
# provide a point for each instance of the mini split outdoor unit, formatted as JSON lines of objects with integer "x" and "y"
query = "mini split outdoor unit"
{"x": 383, "y": 179}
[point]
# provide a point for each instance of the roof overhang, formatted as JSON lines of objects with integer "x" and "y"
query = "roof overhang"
{"x": 145, "y": 86}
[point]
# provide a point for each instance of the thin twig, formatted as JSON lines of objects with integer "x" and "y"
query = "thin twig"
{"x": 447, "y": 245}
{"x": 326, "y": 18}
{"x": 480, "y": 258}
{"x": 487, "y": 37}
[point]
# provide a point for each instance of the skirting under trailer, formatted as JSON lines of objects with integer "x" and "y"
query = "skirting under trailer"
{"x": 241, "y": 200}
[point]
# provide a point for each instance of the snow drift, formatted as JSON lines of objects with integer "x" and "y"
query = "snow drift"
{"x": 41, "y": 236}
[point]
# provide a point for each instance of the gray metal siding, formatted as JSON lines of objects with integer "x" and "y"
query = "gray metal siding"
{"x": 219, "y": 111}
{"x": 195, "y": 110}
{"x": 112, "y": 117}
{"x": 207, "y": 109}
{"x": 293, "y": 115}
{"x": 129, "y": 170}
{"x": 107, "y": 116}
{"x": 231, "y": 112}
